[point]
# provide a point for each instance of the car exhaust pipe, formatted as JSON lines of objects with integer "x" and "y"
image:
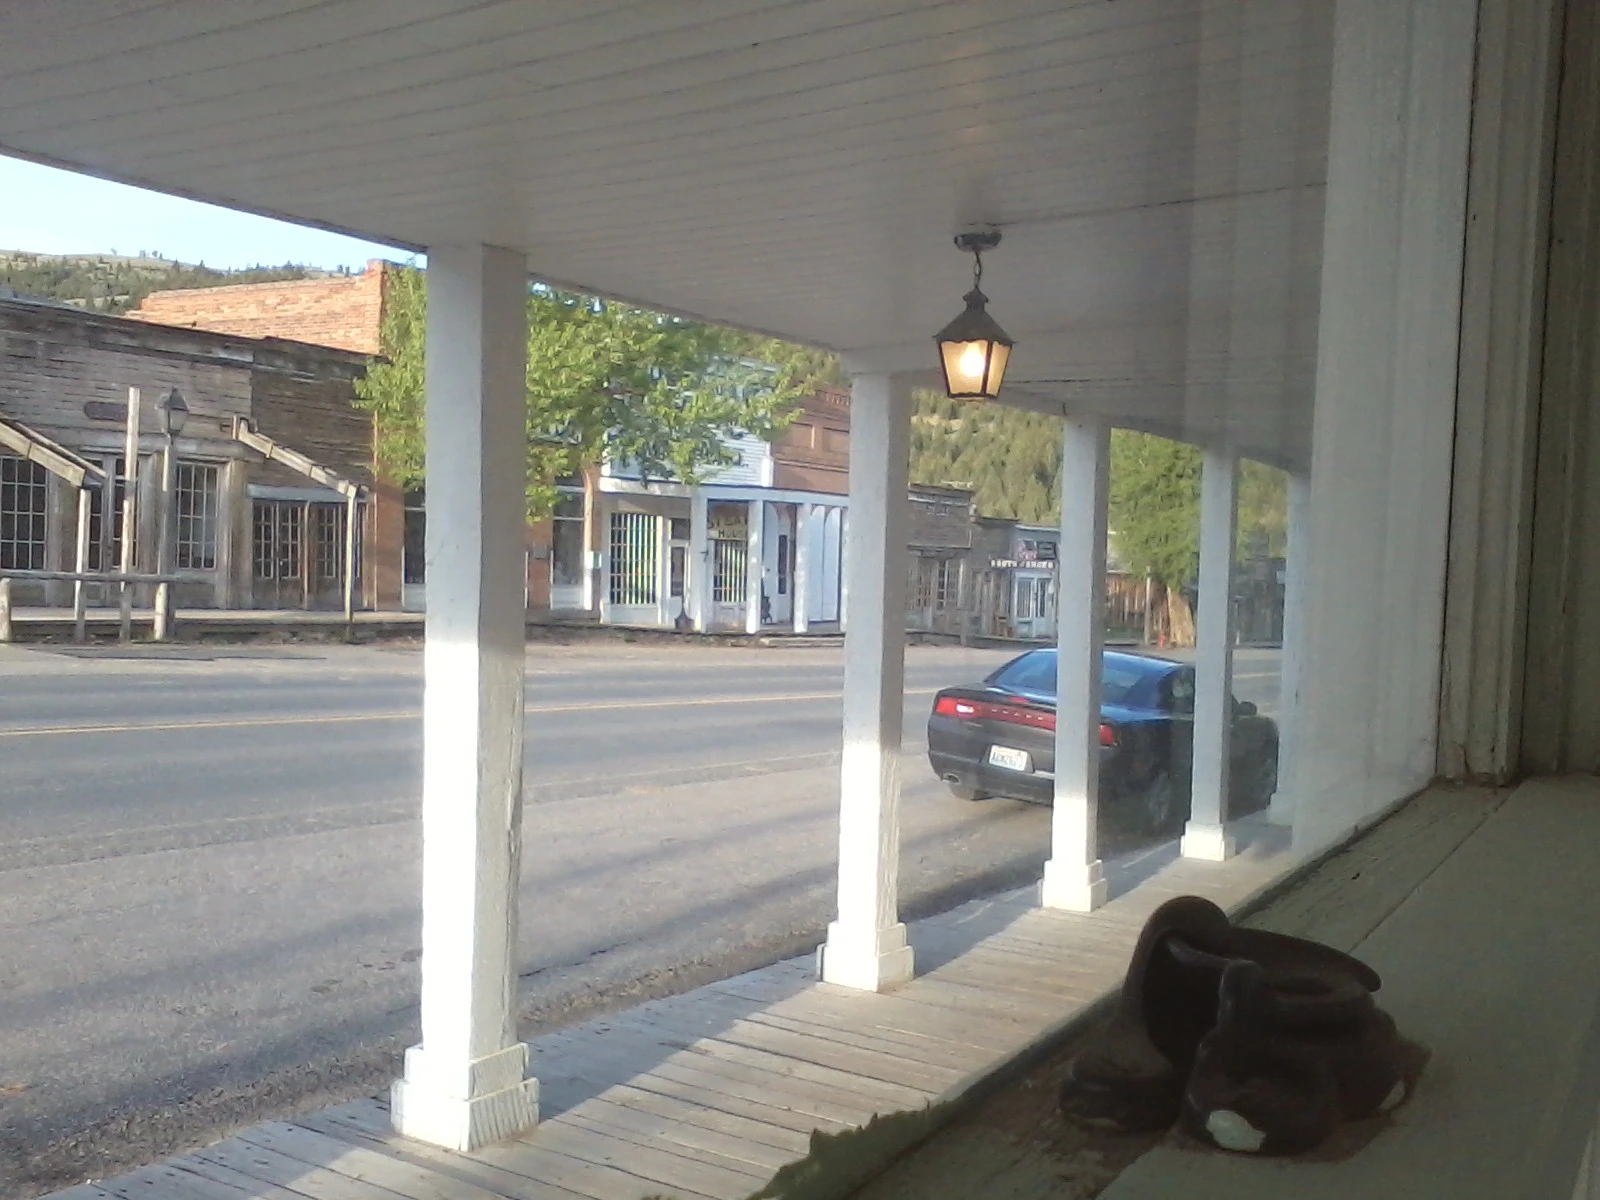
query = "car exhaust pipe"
{"x": 951, "y": 777}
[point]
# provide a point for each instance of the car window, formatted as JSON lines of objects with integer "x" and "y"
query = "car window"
{"x": 1178, "y": 691}
{"x": 1119, "y": 682}
{"x": 1036, "y": 673}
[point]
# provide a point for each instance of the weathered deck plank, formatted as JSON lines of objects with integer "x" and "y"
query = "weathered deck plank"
{"x": 706, "y": 1095}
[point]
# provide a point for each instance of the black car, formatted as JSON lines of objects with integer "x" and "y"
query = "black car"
{"x": 997, "y": 738}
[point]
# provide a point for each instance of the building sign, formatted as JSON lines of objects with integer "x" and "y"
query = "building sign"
{"x": 727, "y": 522}
{"x": 1013, "y": 564}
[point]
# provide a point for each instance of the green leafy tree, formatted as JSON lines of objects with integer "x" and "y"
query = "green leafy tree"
{"x": 1155, "y": 507}
{"x": 602, "y": 379}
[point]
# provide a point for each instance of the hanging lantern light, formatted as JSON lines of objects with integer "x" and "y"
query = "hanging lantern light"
{"x": 973, "y": 349}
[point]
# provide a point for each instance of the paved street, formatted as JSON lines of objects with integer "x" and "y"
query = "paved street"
{"x": 209, "y": 862}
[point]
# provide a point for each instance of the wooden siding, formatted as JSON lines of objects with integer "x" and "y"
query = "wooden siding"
{"x": 813, "y": 453}
{"x": 55, "y": 359}
{"x": 303, "y": 400}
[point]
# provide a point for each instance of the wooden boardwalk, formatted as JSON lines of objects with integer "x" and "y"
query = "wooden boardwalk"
{"x": 708, "y": 1094}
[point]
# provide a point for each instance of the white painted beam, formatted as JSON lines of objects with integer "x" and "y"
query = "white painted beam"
{"x": 1073, "y": 877}
{"x": 1292, "y": 658}
{"x": 867, "y": 945}
{"x": 466, "y": 1084}
{"x": 1206, "y": 834}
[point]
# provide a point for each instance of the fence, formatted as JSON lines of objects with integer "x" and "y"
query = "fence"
{"x": 1136, "y": 608}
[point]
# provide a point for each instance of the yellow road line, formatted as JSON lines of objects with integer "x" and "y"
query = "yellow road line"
{"x": 410, "y": 715}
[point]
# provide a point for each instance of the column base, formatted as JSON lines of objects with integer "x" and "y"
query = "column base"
{"x": 876, "y": 962}
{"x": 1281, "y": 811}
{"x": 1207, "y": 842}
{"x": 1075, "y": 887}
{"x": 503, "y": 1103}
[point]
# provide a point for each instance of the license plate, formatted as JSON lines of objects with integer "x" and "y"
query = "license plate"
{"x": 1012, "y": 760}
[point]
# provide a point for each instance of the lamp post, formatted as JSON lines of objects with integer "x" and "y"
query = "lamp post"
{"x": 171, "y": 412}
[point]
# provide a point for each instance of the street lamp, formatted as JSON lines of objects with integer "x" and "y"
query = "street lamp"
{"x": 973, "y": 349}
{"x": 171, "y": 412}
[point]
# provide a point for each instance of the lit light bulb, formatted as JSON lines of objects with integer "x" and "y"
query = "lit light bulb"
{"x": 972, "y": 360}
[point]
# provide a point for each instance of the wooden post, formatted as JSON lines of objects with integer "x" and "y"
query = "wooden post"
{"x": 800, "y": 583}
{"x": 867, "y": 946}
{"x": 5, "y": 609}
{"x": 700, "y": 572}
{"x": 1073, "y": 877}
{"x": 755, "y": 542}
{"x": 466, "y": 1084}
{"x": 351, "y": 513}
{"x": 1206, "y": 835}
{"x": 1281, "y": 811}
{"x": 308, "y": 556}
{"x": 80, "y": 600}
{"x": 162, "y": 626}
{"x": 1149, "y": 609}
{"x": 130, "y": 509}
{"x": 161, "y": 629}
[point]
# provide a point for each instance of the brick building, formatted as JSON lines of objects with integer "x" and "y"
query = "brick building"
{"x": 249, "y": 531}
{"x": 342, "y": 311}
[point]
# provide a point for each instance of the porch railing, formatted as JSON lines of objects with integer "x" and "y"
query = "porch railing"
{"x": 80, "y": 612}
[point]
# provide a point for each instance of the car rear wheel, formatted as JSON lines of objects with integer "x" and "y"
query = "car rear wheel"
{"x": 962, "y": 792}
{"x": 1156, "y": 808}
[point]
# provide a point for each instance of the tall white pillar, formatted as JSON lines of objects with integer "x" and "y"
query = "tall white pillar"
{"x": 1073, "y": 878}
{"x": 867, "y": 945}
{"x": 1291, "y": 659}
{"x": 755, "y": 535}
{"x": 1206, "y": 835}
{"x": 467, "y": 1083}
{"x": 699, "y": 583}
{"x": 800, "y": 585}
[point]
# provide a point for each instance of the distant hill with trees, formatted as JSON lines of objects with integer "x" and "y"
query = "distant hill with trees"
{"x": 111, "y": 283}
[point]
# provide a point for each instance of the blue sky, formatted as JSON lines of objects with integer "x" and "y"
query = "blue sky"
{"x": 49, "y": 211}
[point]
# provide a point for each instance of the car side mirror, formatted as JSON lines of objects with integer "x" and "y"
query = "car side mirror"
{"x": 1244, "y": 708}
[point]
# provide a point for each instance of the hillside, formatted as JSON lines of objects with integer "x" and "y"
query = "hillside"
{"x": 116, "y": 283}
{"x": 1011, "y": 459}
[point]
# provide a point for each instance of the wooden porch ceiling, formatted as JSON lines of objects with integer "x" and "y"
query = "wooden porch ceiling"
{"x": 791, "y": 167}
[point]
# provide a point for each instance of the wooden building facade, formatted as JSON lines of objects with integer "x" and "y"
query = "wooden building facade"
{"x": 246, "y": 532}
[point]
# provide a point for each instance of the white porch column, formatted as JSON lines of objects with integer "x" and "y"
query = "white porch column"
{"x": 1206, "y": 835}
{"x": 844, "y": 557}
{"x": 867, "y": 946}
{"x": 1073, "y": 878}
{"x": 1291, "y": 659}
{"x": 754, "y": 545}
{"x": 699, "y": 581}
{"x": 800, "y": 585}
{"x": 466, "y": 1084}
